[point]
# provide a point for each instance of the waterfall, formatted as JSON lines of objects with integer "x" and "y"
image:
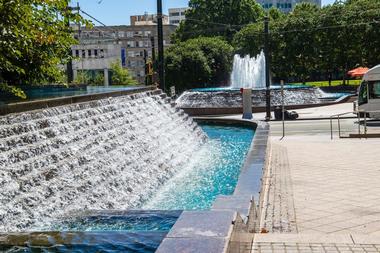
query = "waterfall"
{"x": 248, "y": 72}
{"x": 106, "y": 154}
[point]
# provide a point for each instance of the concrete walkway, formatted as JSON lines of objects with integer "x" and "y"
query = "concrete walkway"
{"x": 322, "y": 195}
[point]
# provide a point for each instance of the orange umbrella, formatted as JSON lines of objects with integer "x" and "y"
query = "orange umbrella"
{"x": 358, "y": 72}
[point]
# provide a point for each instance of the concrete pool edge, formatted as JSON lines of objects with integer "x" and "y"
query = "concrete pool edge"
{"x": 212, "y": 231}
{"x": 60, "y": 101}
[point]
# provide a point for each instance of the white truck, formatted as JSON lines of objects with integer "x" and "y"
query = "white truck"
{"x": 369, "y": 94}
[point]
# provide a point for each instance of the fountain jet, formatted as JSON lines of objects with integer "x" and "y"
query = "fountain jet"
{"x": 248, "y": 72}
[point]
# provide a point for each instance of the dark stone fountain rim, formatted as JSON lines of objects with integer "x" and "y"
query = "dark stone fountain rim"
{"x": 229, "y": 89}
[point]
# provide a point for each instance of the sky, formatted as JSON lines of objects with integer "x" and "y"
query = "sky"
{"x": 117, "y": 12}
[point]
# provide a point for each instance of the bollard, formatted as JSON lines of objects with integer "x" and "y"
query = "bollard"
{"x": 247, "y": 104}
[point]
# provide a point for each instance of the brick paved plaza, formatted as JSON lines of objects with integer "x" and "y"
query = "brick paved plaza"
{"x": 321, "y": 195}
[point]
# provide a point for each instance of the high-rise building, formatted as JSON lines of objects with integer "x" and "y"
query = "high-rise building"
{"x": 176, "y": 15}
{"x": 285, "y": 6}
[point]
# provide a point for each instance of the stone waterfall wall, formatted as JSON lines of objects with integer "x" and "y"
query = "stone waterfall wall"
{"x": 107, "y": 154}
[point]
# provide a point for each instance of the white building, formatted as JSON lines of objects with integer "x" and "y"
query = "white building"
{"x": 285, "y": 5}
{"x": 101, "y": 46}
{"x": 176, "y": 15}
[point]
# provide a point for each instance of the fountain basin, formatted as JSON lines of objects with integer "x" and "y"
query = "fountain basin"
{"x": 112, "y": 153}
{"x": 215, "y": 101}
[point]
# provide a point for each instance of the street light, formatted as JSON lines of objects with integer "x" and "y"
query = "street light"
{"x": 160, "y": 33}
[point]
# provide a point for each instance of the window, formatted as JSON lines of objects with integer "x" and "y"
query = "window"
{"x": 83, "y": 53}
{"x": 129, "y": 34}
{"x": 138, "y": 33}
{"x": 101, "y": 53}
{"x": 96, "y": 53}
{"x": 77, "y": 53}
{"x": 89, "y": 52}
{"x": 146, "y": 43}
{"x": 374, "y": 89}
{"x": 130, "y": 44}
{"x": 131, "y": 53}
{"x": 121, "y": 34}
{"x": 147, "y": 33}
{"x": 174, "y": 14}
{"x": 363, "y": 94}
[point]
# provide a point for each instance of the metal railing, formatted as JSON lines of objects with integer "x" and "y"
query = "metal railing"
{"x": 359, "y": 114}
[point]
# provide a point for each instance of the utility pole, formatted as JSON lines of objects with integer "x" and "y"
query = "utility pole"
{"x": 267, "y": 68}
{"x": 160, "y": 33}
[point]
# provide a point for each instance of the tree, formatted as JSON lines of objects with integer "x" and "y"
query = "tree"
{"x": 217, "y": 18}
{"x": 198, "y": 62}
{"x": 312, "y": 43}
{"x": 34, "y": 40}
{"x": 120, "y": 75}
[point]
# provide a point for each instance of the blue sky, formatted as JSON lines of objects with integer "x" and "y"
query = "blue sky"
{"x": 117, "y": 12}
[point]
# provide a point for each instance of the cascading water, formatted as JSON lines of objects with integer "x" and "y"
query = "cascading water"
{"x": 108, "y": 154}
{"x": 248, "y": 72}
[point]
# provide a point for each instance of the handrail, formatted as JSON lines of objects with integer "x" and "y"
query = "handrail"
{"x": 358, "y": 113}
{"x": 337, "y": 116}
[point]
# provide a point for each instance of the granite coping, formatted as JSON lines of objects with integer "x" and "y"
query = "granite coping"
{"x": 239, "y": 203}
{"x": 203, "y": 224}
{"x": 20, "y": 107}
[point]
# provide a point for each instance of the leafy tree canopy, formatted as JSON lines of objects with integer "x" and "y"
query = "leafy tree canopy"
{"x": 314, "y": 43}
{"x": 120, "y": 75}
{"x": 198, "y": 62}
{"x": 34, "y": 40}
{"x": 218, "y": 18}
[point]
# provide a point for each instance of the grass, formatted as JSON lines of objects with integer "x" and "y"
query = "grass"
{"x": 333, "y": 83}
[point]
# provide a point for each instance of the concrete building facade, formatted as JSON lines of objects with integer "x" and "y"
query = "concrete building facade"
{"x": 285, "y": 6}
{"x": 99, "y": 47}
{"x": 176, "y": 15}
{"x": 147, "y": 19}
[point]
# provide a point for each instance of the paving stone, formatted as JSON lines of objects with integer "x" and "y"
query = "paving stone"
{"x": 192, "y": 245}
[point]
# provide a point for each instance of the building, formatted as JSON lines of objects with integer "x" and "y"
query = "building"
{"x": 99, "y": 47}
{"x": 176, "y": 15}
{"x": 285, "y": 5}
{"x": 147, "y": 19}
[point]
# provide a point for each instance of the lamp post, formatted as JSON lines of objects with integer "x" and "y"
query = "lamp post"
{"x": 267, "y": 68}
{"x": 160, "y": 33}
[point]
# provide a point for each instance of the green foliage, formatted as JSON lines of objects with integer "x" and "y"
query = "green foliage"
{"x": 120, "y": 75}
{"x": 313, "y": 43}
{"x": 198, "y": 62}
{"x": 333, "y": 83}
{"x": 217, "y": 18}
{"x": 34, "y": 40}
{"x": 12, "y": 90}
{"x": 98, "y": 79}
{"x": 95, "y": 78}
{"x": 83, "y": 77}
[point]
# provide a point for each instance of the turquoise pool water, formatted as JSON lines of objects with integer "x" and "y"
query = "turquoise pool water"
{"x": 214, "y": 171}
{"x": 103, "y": 231}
